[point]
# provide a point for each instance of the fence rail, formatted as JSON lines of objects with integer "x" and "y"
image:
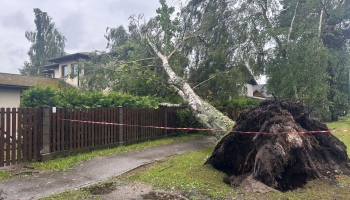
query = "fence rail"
{"x": 32, "y": 134}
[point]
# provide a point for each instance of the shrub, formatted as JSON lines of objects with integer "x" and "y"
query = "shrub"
{"x": 186, "y": 119}
{"x": 242, "y": 103}
{"x": 74, "y": 98}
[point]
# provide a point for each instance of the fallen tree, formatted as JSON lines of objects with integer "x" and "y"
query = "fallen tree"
{"x": 282, "y": 152}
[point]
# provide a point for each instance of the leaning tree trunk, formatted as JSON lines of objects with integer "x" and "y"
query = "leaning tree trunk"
{"x": 280, "y": 151}
{"x": 205, "y": 113}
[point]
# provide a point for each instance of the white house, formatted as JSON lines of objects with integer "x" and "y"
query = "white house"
{"x": 62, "y": 66}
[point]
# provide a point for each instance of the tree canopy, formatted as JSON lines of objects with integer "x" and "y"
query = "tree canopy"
{"x": 47, "y": 42}
{"x": 217, "y": 46}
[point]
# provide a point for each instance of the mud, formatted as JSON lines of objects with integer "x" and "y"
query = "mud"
{"x": 154, "y": 195}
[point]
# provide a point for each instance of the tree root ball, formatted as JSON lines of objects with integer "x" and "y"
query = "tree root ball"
{"x": 278, "y": 154}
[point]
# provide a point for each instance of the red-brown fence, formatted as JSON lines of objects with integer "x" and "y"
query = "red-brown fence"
{"x": 32, "y": 134}
{"x": 80, "y": 128}
{"x": 18, "y": 135}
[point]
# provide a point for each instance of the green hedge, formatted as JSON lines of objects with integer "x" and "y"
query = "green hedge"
{"x": 238, "y": 103}
{"x": 74, "y": 98}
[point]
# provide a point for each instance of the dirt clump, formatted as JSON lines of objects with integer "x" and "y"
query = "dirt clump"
{"x": 280, "y": 151}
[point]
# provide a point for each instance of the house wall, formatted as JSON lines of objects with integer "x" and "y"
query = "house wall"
{"x": 10, "y": 97}
{"x": 58, "y": 73}
{"x": 250, "y": 90}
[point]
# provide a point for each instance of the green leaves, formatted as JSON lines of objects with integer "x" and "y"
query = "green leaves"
{"x": 47, "y": 42}
{"x": 74, "y": 98}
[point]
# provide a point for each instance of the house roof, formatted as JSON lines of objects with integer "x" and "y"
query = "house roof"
{"x": 50, "y": 66}
{"x": 20, "y": 81}
{"x": 262, "y": 89}
{"x": 74, "y": 56}
{"x": 252, "y": 82}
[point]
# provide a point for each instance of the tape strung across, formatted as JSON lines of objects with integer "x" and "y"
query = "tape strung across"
{"x": 202, "y": 129}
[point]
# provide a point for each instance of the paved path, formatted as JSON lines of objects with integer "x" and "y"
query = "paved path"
{"x": 94, "y": 170}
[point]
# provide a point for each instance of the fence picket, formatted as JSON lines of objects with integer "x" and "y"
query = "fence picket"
{"x": 35, "y": 133}
{"x": 2, "y": 138}
{"x": 19, "y": 132}
{"x": 30, "y": 134}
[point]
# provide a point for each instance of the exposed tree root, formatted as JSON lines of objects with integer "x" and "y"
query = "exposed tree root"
{"x": 278, "y": 154}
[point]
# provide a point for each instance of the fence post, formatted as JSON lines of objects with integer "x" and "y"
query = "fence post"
{"x": 120, "y": 113}
{"x": 44, "y": 147}
{"x": 165, "y": 121}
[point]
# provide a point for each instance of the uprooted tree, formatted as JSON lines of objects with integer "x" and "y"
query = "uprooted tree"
{"x": 285, "y": 148}
{"x": 279, "y": 160}
{"x": 160, "y": 41}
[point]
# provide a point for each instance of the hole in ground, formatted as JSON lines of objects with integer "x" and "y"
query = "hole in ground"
{"x": 105, "y": 188}
{"x": 161, "y": 196}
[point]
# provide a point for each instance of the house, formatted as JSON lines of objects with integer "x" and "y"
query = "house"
{"x": 62, "y": 66}
{"x": 255, "y": 90}
{"x": 260, "y": 91}
{"x": 12, "y": 86}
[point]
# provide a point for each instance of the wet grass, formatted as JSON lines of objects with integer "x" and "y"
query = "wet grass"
{"x": 63, "y": 164}
{"x": 187, "y": 173}
{"x": 342, "y": 124}
{"x": 71, "y": 195}
{"x": 5, "y": 175}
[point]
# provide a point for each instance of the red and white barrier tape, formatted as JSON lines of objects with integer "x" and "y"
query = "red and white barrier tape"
{"x": 156, "y": 127}
{"x": 203, "y": 129}
{"x": 301, "y": 132}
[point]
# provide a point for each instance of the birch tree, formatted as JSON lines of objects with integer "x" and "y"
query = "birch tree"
{"x": 162, "y": 45}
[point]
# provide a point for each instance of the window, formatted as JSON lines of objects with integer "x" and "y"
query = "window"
{"x": 75, "y": 69}
{"x": 64, "y": 70}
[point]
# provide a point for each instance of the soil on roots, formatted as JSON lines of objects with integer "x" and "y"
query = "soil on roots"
{"x": 281, "y": 153}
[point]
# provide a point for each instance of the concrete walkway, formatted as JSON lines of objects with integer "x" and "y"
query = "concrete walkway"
{"x": 94, "y": 170}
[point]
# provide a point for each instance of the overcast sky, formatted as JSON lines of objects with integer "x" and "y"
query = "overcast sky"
{"x": 82, "y": 22}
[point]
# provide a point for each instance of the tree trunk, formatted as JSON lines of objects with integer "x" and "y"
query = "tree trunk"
{"x": 205, "y": 113}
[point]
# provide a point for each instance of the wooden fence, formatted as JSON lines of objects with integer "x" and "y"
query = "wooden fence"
{"x": 32, "y": 134}
{"x": 81, "y": 128}
{"x": 36, "y": 134}
{"x": 18, "y": 135}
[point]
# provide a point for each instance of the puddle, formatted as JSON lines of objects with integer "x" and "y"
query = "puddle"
{"x": 105, "y": 188}
{"x": 161, "y": 196}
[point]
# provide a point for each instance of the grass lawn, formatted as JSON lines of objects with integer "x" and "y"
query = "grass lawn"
{"x": 342, "y": 124}
{"x": 187, "y": 173}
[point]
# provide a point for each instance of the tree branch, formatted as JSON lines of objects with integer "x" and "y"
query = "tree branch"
{"x": 210, "y": 79}
{"x": 291, "y": 24}
{"x": 324, "y": 7}
{"x": 179, "y": 44}
{"x": 269, "y": 25}
{"x": 142, "y": 67}
{"x": 140, "y": 60}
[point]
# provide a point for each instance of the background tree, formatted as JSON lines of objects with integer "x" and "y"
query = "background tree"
{"x": 153, "y": 47}
{"x": 216, "y": 70}
{"x": 47, "y": 42}
{"x": 302, "y": 48}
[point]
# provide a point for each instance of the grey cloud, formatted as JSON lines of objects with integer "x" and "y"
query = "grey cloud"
{"x": 134, "y": 7}
{"x": 15, "y": 20}
{"x": 72, "y": 27}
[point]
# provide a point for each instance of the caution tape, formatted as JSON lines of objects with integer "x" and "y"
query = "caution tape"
{"x": 205, "y": 129}
{"x": 156, "y": 127}
{"x": 301, "y": 132}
